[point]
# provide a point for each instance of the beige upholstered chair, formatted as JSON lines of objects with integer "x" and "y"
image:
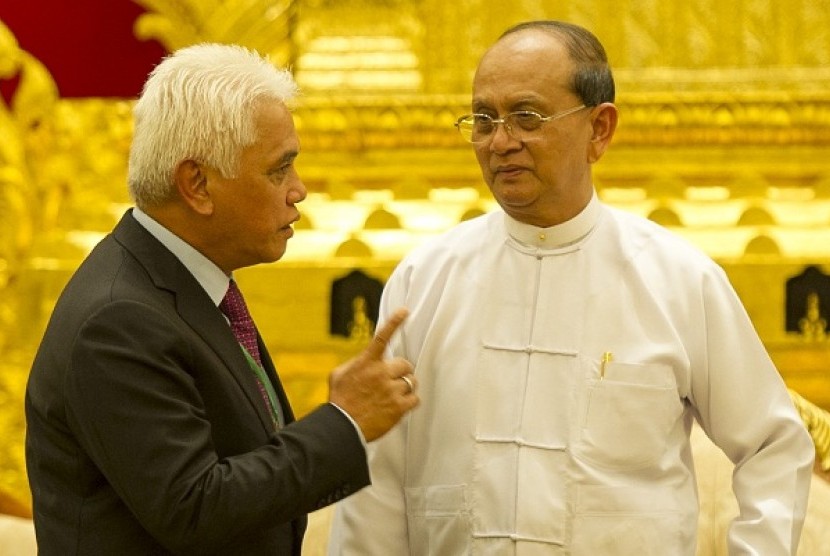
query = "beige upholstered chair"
{"x": 718, "y": 506}
{"x": 17, "y": 536}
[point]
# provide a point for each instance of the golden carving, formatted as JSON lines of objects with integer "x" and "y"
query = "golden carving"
{"x": 263, "y": 25}
{"x": 361, "y": 327}
{"x": 23, "y": 129}
{"x": 27, "y": 208}
{"x": 759, "y": 118}
{"x": 812, "y": 325}
{"x": 817, "y": 421}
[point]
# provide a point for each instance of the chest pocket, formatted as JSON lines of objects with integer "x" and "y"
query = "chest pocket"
{"x": 629, "y": 415}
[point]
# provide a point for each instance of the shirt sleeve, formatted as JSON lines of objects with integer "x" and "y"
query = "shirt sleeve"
{"x": 746, "y": 410}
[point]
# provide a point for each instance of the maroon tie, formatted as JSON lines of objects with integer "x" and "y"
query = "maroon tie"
{"x": 233, "y": 305}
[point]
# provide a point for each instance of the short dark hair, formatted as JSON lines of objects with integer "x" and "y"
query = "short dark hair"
{"x": 592, "y": 81}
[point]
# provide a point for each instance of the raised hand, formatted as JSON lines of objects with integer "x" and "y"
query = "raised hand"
{"x": 376, "y": 392}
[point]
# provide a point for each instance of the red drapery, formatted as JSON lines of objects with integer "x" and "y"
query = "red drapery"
{"x": 88, "y": 46}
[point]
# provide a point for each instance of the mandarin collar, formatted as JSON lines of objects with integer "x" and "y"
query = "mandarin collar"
{"x": 558, "y": 236}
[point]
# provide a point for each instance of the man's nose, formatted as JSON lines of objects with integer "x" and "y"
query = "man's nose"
{"x": 502, "y": 138}
{"x": 297, "y": 191}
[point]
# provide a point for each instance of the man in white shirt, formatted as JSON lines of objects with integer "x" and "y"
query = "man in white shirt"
{"x": 563, "y": 351}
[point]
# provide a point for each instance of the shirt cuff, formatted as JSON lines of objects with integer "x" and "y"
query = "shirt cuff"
{"x": 354, "y": 424}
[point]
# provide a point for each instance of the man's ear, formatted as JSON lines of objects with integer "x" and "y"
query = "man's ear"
{"x": 604, "y": 124}
{"x": 191, "y": 183}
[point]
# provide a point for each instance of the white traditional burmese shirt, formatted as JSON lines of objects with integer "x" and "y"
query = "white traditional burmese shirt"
{"x": 560, "y": 371}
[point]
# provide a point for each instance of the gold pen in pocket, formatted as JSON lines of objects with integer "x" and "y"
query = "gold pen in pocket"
{"x": 606, "y": 358}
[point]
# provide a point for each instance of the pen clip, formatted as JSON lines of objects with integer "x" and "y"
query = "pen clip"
{"x": 606, "y": 358}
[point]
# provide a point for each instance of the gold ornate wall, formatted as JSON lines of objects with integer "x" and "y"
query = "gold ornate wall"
{"x": 724, "y": 135}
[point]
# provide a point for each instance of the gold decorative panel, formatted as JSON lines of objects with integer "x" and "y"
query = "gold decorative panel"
{"x": 724, "y": 138}
{"x": 263, "y": 25}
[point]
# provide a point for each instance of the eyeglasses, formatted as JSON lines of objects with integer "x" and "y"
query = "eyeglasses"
{"x": 520, "y": 125}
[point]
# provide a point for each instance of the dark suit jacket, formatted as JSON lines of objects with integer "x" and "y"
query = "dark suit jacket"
{"x": 146, "y": 433}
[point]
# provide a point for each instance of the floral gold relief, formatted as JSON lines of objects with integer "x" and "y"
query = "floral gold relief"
{"x": 724, "y": 137}
{"x": 263, "y": 25}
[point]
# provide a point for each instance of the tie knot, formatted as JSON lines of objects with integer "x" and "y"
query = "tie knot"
{"x": 242, "y": 324}
{"x": 233, "y": 305}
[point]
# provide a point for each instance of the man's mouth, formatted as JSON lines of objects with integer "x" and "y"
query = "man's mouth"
{"x": 509, "y": 171}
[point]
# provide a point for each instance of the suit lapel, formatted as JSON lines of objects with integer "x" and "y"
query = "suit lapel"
{"x": 196, "y": 308}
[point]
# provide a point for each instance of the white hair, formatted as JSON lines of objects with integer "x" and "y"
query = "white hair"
{"x": 199, "y": 104}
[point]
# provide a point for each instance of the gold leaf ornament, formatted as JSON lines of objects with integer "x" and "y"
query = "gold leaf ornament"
{"x": 261, "y": 25}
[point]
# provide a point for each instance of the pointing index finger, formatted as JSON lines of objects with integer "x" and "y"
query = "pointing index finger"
{"x": 378, "y": 345}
